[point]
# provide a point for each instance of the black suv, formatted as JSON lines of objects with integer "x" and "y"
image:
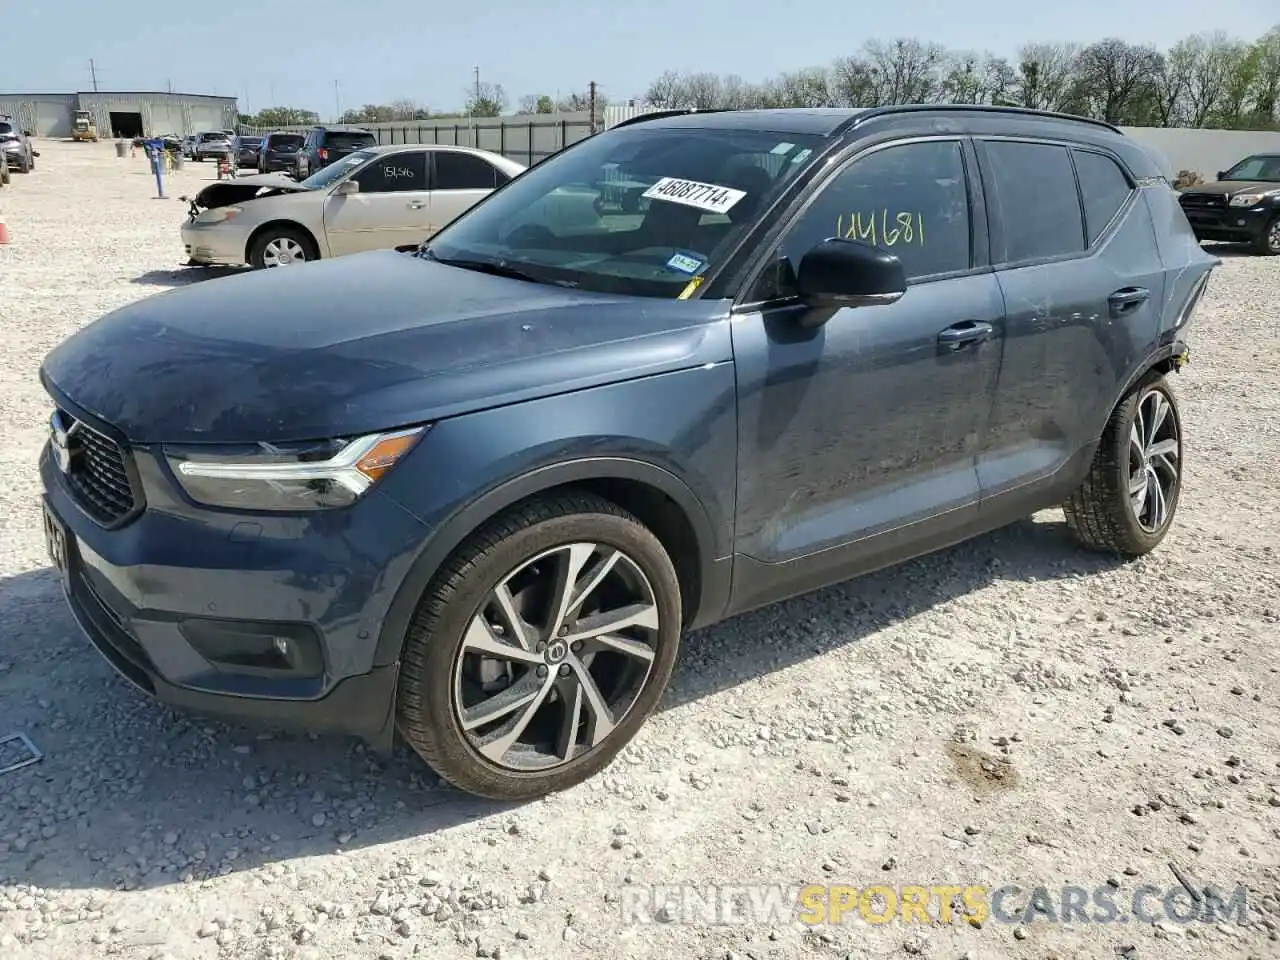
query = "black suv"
{"x": 279, "y": 151}
{"x": 477, "y": 493}
{"x": 326, "y": 145}
{"x": 1243, "y": 206}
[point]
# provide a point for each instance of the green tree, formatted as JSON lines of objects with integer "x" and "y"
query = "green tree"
{"x": 284, "y": 117}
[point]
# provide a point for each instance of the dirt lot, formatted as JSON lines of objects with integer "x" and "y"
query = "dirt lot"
{"x": 1013, "y": 711}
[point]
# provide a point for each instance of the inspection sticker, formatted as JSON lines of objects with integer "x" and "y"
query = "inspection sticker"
{"x": 684, "y": 263}
{"x": 691, "y": 193}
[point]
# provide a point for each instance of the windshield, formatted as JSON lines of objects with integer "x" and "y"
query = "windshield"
{"x": 1262, "y": 167}
{"x": 336, "y": 171}
{"x": 5, "y": 128}
{"x": 639, "y": 210}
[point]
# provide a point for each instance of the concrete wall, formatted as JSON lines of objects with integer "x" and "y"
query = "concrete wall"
{"x": 1204, "y": 151}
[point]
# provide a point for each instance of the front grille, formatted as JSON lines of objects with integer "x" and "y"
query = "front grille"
{"x": 97, "y": 473}
{"x": 1203, "y": 201}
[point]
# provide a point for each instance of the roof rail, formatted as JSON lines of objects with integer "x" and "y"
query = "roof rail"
{"x": 1026, "y": 112}
{"x": 660, "y": 114}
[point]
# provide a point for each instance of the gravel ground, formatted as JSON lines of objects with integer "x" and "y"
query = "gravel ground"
{"x": 1012, "y": 711}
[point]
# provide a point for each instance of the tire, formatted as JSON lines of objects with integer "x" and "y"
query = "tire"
{"x": 527, "y": 547}
{"x": 1103, "y": 513}
{"x": 1268, "y": 242}
{"x": 260, "y": 251}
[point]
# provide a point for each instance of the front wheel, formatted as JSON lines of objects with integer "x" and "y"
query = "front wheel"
{"x": 281, "y": 247}
{"x": 1127, "y": 502}
{"x": 540, "y": 648}
{"x": 1268, "y": 244}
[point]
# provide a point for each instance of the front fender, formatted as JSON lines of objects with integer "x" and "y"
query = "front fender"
{"x": 674, "y": 433}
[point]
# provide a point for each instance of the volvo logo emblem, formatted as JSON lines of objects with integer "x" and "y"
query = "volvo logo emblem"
{"x": 62, "y": 431}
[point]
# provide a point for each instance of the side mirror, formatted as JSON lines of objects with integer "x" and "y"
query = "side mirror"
{"x": 845, "y": 273}
{"x": 346, "y": 188}
{"x": 27, "y": 133}
{"x": 1222, "y": 174}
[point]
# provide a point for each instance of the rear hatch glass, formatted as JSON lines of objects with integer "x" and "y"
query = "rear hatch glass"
{"x": 345, "y": 142}
{"x": 285, "y": 144}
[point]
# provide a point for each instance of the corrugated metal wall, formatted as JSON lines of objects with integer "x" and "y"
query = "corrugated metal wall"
{"x": 180, "y": 114}
{"x": 51, "y": 114}
{"x": 44, "y": 114}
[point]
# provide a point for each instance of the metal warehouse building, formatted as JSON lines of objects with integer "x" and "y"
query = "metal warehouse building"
{"x": 121, "y": 114}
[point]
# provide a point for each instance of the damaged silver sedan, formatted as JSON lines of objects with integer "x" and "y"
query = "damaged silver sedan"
{"x": 391, "y": 197}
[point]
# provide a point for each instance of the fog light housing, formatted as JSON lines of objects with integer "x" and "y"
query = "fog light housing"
{"x": 260, "y": 649}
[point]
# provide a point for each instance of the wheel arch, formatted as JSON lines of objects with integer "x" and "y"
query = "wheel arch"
{"x": 259, "y": 230}
{"x": 1167, "y": 358}
{"x": 658, "y": 498}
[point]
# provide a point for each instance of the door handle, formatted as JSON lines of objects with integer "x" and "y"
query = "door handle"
{"x": 416, "y": 204}
{"x": 969, "y": 331}
{"x": 1125, "y": 299}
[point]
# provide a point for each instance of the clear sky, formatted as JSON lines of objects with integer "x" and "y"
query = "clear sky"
{"x": 293, "y": 52}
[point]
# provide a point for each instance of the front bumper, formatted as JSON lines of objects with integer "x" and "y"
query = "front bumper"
{"x": 215, "y": 244}
{"x": 182, "y": 601}
{"x": 1232, "y": 225}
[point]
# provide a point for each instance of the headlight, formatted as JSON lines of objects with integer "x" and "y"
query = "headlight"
{"x": 218, "y": 214}
{"x": 1248, "y": 199}
{"x": 312, "y": 476}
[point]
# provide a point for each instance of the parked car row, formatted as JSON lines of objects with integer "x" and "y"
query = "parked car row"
{"x": 390, "y": 197}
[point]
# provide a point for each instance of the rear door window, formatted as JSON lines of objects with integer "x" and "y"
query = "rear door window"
{"x": 463, "y": 171}
{"x": 394, "y": 173}
{"x": 1104, "y": 189}
{"x": 1035, "y": 189}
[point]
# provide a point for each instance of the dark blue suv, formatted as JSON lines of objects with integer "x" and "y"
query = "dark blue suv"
{"x": 476, "y": 493}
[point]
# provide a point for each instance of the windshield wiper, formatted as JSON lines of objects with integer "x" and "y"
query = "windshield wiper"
{"x": 494, "y": 268}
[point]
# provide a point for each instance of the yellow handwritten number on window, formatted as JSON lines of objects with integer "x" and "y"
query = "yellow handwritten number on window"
{"x": 881, "y": 229}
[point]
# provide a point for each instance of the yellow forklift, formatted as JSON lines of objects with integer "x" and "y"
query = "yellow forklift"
{"x": 83, "y": 128}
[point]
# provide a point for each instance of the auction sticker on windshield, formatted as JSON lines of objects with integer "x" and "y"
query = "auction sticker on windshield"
{"x": 691, "y": 193}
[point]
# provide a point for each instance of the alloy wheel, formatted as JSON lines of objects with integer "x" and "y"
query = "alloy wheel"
{"x": 1273, "y": 236}
{"x": 1155, "y": 450}
{"x": 283, "y": 252}
{"x": 556, "y": 657}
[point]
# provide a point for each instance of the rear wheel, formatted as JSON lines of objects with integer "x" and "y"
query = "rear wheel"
{"x": 1127, "y": 502}
{"x": 540, "y": 648}
{"x": 281, "y": 247}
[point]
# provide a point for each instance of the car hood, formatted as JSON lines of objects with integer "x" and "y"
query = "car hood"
{"x": 223, "y": 193}
{"x": 362, "y": 343}
{"x": 1230, "y": 188}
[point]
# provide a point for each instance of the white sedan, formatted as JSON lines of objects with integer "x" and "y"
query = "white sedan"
{"x": 391, "y": 197}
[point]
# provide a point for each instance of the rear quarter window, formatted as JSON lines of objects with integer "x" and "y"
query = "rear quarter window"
{"x": 1104, "y": 189}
